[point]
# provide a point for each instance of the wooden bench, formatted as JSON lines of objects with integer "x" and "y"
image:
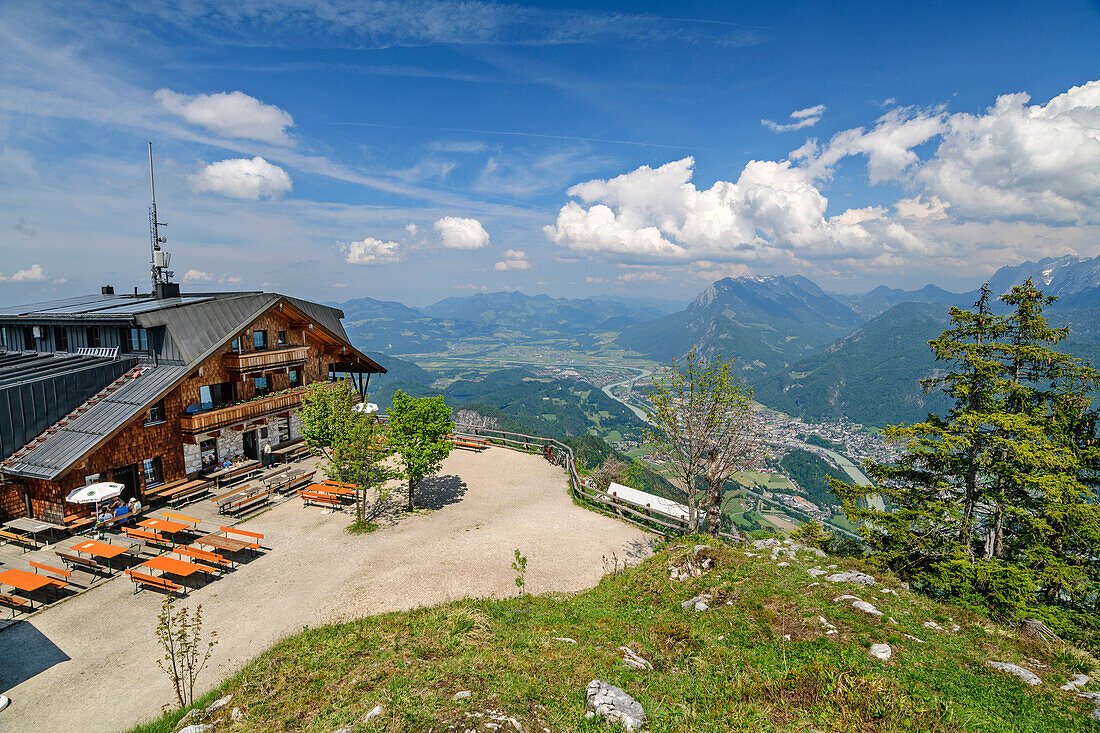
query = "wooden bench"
{"x": 243, "y": 533}
{"x": 158, "y": 492}
{"x": 75, "y": 561}
{"x": 26, "y": 542}
{"x": 12, "y": 602}
{"x": 141, "y": 581}
{"x": 147, "y": 536}
{"x": 252, "y": 501}
{"x": 57, "y": 584}
{"x": 175, "y": 517}
{"x": 76, "y": 522}
{"x": 255, "y": 537}
{"x": 117, "y": 520}
{"x": 298, "y": 481}
{"x": 205, "y": 555}
{"x": 316, "y": 497}
{"x": 187, "y": 491}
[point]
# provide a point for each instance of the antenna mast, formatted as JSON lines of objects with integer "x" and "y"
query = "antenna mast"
{"x": 159, "y": 259}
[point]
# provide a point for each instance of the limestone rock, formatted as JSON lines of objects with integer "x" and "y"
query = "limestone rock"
{"x": 932, "y": 625}
{"x": 220, "y": 702}
{"x": 866, "y": 608}
{"x": 236, "y": 715}
{"x": 190, "y": 718}
{"x": 611, "y": 703}
{"x": 375, "y": 712}
{"x": 881, "y": 651}
{"x": 846, "y": 597}
{"x": 462, "y": 695}
{"x": 200, "y": 728}
{"x": 913, "y": 638}
{"x": 633, "y": 660}
{"x": 765, "y": 544}
{"x": 1026, "y": 675}
{"x": 565, "y": 639}
{"x": 852, "y": 576}
{"x": 699, "y": 603}
{"x": 817, "y": 572}
{"x": 1078, "y": 680}
{"x": 783, "y": 565}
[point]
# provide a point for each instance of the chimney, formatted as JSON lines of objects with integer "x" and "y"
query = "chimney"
{"x": 107, "y": 290}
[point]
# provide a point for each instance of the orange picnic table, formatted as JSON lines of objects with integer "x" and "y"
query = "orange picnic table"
{"x": 175, "y": 567}
{"x": 24, "y": 581}
{"x": 163, "y": 525}
{"x": 338, "y": 489}
{"x": 100, "y": 549}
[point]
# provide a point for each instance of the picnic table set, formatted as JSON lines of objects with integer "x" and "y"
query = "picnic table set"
{"x": 208, "y": 554}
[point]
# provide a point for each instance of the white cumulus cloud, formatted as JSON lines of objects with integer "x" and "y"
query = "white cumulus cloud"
{"x": 800, "y": 119}
{"x": 371, "y": 251}
{"x": 197, "y": 276}
{"x": 230, "y": 114}
{"x": 242, "y": 178}
{"x": 773, "y": 213}
{"x": 33, "y": 274}
{"x": 514, "y": 259}
{"x": 458, "y": 233}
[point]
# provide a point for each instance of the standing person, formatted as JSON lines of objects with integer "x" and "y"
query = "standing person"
{"x": 267, "y": 460}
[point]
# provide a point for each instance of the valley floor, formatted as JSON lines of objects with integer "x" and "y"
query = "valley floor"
{"x": 90, "y": 663}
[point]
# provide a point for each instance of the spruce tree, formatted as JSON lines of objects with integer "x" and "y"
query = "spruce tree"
{"x": 994, "y": 503}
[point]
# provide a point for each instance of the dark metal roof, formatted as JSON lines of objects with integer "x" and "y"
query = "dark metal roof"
{"x": 17, "y": 367}
{"x": 53, "y": 456}
{"x": 95, "y": 307}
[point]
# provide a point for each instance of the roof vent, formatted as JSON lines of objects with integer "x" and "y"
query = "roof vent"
{"x": 107, "y": 290}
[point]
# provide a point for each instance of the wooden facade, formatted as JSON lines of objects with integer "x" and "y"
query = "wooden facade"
{"x": 309, "y": 350}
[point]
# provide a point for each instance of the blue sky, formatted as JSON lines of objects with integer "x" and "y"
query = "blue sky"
{"x": 415, "y": 151}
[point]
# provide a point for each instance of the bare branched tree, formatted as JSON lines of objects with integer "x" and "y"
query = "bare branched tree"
{"x": 705, "y": 429}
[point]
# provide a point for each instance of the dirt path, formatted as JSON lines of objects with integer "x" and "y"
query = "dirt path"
{"x": 89, "y": 663}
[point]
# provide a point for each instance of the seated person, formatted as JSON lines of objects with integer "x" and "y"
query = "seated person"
{"x": 135, "y": 506}
{"x": 104, "y": 517}
{"x": 226, "y": 463}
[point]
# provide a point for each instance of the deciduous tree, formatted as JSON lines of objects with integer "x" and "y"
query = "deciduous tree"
{"x": 704, "y": 429}
{"x": 418, "y": 430}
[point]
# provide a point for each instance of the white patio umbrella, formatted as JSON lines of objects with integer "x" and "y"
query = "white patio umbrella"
{"x": 94, "y": 493}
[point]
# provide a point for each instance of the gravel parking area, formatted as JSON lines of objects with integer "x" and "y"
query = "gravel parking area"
{"x": 89, "y": 663}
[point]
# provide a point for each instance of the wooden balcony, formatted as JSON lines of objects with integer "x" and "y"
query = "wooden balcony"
{"x": 257, "y": 361}
{"x": 204, "y": 422}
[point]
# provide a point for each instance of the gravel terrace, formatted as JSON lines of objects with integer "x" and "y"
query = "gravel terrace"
{"x": 89, "y": 663}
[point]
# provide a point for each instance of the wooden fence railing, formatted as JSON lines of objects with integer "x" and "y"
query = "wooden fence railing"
{"x": 646, "y": 517}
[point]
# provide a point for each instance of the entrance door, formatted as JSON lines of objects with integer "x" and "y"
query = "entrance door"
{"x": 127, "y": 476}
{"x": 250, "y": 445}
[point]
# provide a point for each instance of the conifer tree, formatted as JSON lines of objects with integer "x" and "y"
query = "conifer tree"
{"x": 994, "y": 502}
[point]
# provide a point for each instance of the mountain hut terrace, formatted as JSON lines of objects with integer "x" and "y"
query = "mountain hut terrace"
{"x": 153, "y": 391}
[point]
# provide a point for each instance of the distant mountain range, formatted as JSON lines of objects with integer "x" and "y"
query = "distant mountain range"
{"x": 765, "y": 322}
{"x": 805, "y": 351}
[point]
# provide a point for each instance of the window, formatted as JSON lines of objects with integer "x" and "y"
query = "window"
{"x": 283, "y": 429}
{"x": 135, "y": 340}
{"x": 263, "y": 433}
{"x": 60, "y": 338}
{"x": 215, "y": 395}
{"x": 280, "y": 338}
{"x": 152, "y": 471}
{"x": 155, "y": 414}
{"x": 235, "y": 345}
{"x": 263, "y": 387}
{"x": 208, "y": 453}
{"x": 93, "y": 337}
{"x": 29, "y": 341}
{"x": 295, "y": 377}
{"x": 259, "y": 340}
{"x": 3, "y": 337}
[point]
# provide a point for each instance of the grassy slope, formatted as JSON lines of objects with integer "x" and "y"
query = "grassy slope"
{"x": 729, "y": 668}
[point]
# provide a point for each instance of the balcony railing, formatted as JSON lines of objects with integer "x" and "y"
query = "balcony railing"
{"x": 257, "y": 361}
{"x": 233, "y": 414}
